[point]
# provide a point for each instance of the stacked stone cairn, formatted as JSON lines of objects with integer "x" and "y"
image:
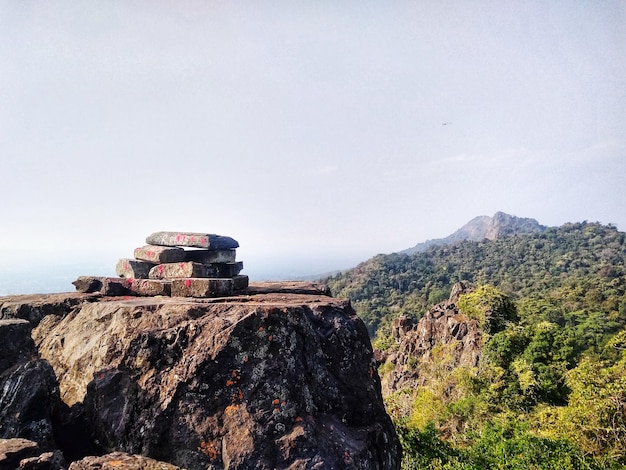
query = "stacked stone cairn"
{"x": 177, "y": 264}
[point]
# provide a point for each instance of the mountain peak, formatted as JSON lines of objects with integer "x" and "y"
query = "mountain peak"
{"x": 484, "y": 227}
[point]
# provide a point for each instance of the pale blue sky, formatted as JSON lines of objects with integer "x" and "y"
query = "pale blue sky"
{"x": 304, "y": 129}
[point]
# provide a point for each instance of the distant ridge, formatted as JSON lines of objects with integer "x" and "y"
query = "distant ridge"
{"x": 481, "y": 227}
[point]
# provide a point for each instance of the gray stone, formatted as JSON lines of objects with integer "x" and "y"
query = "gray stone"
{"x": 103, "y": 285}
{"x": 211, "y": 256}
{"x": 240, "y": 282}
{"x": 198, "y": 240}
{"x": 201, "y": 287}
{"x": 150, "y": 287}
{"x": 131, "y": 268}
{"x": 191, "y": 269}
{"x": 160, "y": 254}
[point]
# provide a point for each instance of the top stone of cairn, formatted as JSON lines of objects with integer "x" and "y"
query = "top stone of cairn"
{"x": 208, "y": 241}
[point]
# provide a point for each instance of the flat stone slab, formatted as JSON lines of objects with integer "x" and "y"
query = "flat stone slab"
{"x": 211, "y": 256}
{"x": 192, "y": 270}
{"x": 103, "y": 285}
{"x": 150, "y": 287}
{"x": 289, "y": 287}
{"x": 132, "y": 268}
{"x": 160, "y": 254}
{"x": 201, "y": 287}
{"x": 198, "y": 240}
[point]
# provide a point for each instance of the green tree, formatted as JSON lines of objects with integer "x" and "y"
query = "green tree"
{"x": 492, "y": 308}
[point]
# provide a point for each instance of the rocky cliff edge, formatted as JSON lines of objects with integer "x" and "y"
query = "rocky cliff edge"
{"x": 279, "y": 377}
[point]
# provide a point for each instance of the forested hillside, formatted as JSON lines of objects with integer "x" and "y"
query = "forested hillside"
{"x": 577, "y": 270}
{"x": 549, "y": 390}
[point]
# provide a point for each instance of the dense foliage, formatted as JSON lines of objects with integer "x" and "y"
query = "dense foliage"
{"x": 550, "y": 390}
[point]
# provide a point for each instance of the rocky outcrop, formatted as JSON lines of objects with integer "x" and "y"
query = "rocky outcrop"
{"x": 483, "y": 227}
{"x": 262, "y": 380}
{"x": 121, "y": 460}
{"x": 443, "y": 338}
{"x": 29, "y": 399}
{"x": 28, "y": 387}
{"x": 33, "y": 307}
{"x": 22, "y": 454}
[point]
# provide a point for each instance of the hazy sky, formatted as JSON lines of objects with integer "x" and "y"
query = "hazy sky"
{"x": 305, "y": 129}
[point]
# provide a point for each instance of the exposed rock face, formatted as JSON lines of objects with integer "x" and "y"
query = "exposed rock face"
{"x": 22, "y": 454}
{"x": 12, "y": 451}
{"x": 121, "y": 460}
{"x": 28, "y": 387}
{"x": 442, "y": 331}
{"x": 481, "y": 227}
{"x": 34, "y": 307}
{"x": 264, "y": 380}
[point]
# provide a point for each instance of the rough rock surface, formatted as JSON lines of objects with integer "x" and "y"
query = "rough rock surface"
{"x": 191, "y": 269}
{"x": 160, "y": 254}
{"x": 33, "y": 307}
{"x": 202, "y": 287}
{"x": 198, "y": 240}
{"x": 12, "y": 451}
{"x": 289, "y": 287}
{"x": 133, "y": 268}
{"x": 121, "y": 460}
{"x": 442, "y": 330}
{"x": 29, "y": 394}
{"x": 211, "y": 256}
{"x": 261, "y": 380}
{"x": 103, "y": 285}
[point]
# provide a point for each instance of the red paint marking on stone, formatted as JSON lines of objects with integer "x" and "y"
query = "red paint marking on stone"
{"x": 187, "y": 283}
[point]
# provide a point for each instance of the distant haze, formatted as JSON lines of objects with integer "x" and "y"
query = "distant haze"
{"x": 308, "y": 131}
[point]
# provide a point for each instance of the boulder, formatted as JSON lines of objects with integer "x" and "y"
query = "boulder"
{"x": 121, "y": 460}
{"x": 276, "y": 380}
{"x": 189, "y": 239}
{"x": 160, "y": 254}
